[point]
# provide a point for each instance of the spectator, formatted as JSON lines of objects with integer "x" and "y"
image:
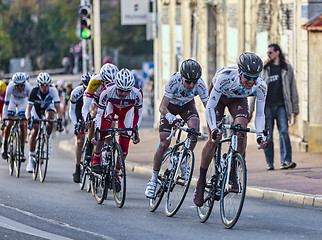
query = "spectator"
{"x": 281, "y": 103}
{"x": 107, "y": 59}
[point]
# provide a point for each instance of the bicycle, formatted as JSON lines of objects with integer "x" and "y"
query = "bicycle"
{"x": 177, "y": 157}
{"x": 229, "y": 180}
{"x": 111, "y": 178}
{"x": 42, "y": 150}
{"x": 14, "y": 159}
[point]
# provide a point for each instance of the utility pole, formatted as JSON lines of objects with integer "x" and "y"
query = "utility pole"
{"x": 97, "y": 35}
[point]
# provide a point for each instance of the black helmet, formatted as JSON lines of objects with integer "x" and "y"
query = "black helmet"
{"x": 86, "y": 77}
{"x": 190, "y": 70}
{"x": 250, "y": 63}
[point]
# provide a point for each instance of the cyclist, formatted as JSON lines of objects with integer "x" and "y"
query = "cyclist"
{"x": 178, "y": 98}
{"x": 16, "y": 100}
{"x": 3, "y": 87}
{"x": 91, "y": 98}
{"x": 230, "y": 88}
{"x": 66, "y": 100}
{"x": 40, "y": 103}
{"x": 75, "y": 114}
{"x": 124, "y": 99}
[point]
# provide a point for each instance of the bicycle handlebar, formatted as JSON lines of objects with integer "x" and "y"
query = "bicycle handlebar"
{"x": 14, "y": 119}
{"x": 188, "y": 130}
{"x": 135, "y": 130}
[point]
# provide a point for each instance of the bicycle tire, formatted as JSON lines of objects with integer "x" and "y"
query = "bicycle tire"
{"x": 120, "y": 177}
{"x": 10, "y": 158}
{"x": 179, "y": 186}
{"x": 99, "y": 187}
{"x": 161, "y": 182}
{"x": 233, "y": 193}
{"x": 83, "y": 176}
{"x": 43, "y": 160}
{"x": 209, "y": 194}
{"x": 17, "y": 153}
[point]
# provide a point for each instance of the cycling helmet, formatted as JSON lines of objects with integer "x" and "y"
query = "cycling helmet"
{"x": 124, "y": 80}
{"x": 190, "y": 70}
{"x": 86, "y": 77}
{"x": 27, "y": 77}
{"x": 108, "y": 72}
{"x": 250, "y": 63}
{"x": 69, "y": 84}
{"x": 43, "y": 78}
{"x": 3, "y": 85}
{"x": 19, "y": 78}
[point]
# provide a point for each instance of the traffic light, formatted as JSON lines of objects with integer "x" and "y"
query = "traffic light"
{"x": 85, "y": 21}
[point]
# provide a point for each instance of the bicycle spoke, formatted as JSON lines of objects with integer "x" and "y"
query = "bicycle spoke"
{"x": 43, "y": 159}
{"x": 119, "y": 177}
{"x": 179, "y": 184}
{"x": 98, "y": 187}
{"x": 233, "y": 193}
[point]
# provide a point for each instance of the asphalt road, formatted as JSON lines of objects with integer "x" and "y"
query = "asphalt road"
{"x": 58, "y": 209}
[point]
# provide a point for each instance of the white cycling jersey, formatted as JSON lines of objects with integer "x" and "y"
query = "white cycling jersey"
{"x": 178, "y": 94}
{"x": 227, "y": 82}
{"x": 16, "y": 100}
{"x": 76, "y": 104}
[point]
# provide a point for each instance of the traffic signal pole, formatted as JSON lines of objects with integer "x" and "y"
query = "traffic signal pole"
{"x": 85, "y": 30}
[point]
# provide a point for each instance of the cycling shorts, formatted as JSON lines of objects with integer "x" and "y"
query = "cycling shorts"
{"x": 17, "y": 104}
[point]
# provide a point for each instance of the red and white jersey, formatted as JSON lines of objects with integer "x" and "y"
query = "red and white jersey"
{"x": 109, "y": 96}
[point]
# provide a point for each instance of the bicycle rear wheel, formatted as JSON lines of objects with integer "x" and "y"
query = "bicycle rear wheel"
{"x": 11, "y": 157}
{"x": 161, "y": 182}
{"x": 119, "y": 177}
{"x": 17, "y": 153}
{"x": 43, "y": 160}
{"x": 179, "y": 184}
{"x": 233, "y": 191}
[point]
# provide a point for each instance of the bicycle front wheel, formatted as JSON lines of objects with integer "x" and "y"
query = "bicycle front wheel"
{"x": 233, "y": 191}
{"x": 99, "y": 187}
{"x": 17, "y": 153}
{"x": 43, "y": 159}
{"x": 179, "y": 183}
{"x": 162, "y": 182}
{"x": 11, "y": 157}
{"x": 119, "y": 176}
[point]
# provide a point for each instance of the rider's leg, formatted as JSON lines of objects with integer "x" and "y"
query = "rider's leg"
{"x": 242, "y": 137}
{"x": 78, "y": 153}
{"x": 50, "y": 114}
{"x": 193, "y": 122}
{"x": 7, "y": 131}
{"x": 32, "y": 146}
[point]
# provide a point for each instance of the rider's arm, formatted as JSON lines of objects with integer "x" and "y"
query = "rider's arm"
{"x": 260, "y": 105}
{"x": 72, "y": 112}
{"x": 6, "y": 101}
{"x": 210, "y": 108}
{"x": 56, "y": 100}
{"x": 164, "y": 110}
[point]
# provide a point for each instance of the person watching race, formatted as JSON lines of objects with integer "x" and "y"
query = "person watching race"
{"x": 124, "y": 99}
{"x": 230, "y": 88}
{"x": 42, "y": 100}
{"x": 91, "y": 99}
{"x": 16, "y": 100}
{"x": 178, "y": 99}
{"x": 75, "y": 115}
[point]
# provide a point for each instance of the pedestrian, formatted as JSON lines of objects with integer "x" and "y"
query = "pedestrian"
{"x": 281, "y": 103}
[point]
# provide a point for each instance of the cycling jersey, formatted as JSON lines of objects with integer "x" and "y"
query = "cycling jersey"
{"x": 227, "y": 82}
{"x": 2, "y": 103}
{"x": 76, "y": 104}
{"x": 178, "y": 94}
{"x": 92, "y": 93}
{"x": 16, "y": 100}
{"x": 43, "y": 102}
{"x": 128, "y": 110}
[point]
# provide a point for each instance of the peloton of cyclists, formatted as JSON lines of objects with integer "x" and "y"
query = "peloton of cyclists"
{"x": 42, "y": 100}
{"x": 75, "y": 114}
{"x": 16, "y": 99}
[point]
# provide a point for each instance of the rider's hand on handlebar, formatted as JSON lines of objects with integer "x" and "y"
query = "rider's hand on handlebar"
{"x": 60, "y": 125}
{"x": 29, "y": 123}
{"x": 3, "y": 125}
{"x": 215, "y": 135}
{"x": 261, "y": 143}
{"x": 76, "y": 128}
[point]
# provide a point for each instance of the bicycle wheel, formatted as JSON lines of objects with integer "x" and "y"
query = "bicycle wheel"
{"x": 209, "y": 194}
{"x": 83, "y": 175}
{"x": 161, "y": 182}
{"x": 99, "y": 187}
{"x": 17, "y": 153}
{"x": 118, "y": 177}
{"x": 11, "y": 157}
{"x": 179, "y": 184}
{"x": 233, "y": 191}
{"x": 43, "y": 160}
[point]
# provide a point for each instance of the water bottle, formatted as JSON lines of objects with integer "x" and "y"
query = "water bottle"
{"x": 173, "y": 159}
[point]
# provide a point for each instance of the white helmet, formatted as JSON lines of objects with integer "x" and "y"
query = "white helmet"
{"x": 124, "y": 79}
{"x": 43, "y": 78}
{"x": 19, "y": 78}
{"x": 108, "y": 72}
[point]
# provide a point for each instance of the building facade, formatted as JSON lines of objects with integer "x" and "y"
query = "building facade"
{"x": 216, "y": 32}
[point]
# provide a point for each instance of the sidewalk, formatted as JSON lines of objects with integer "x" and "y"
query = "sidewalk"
{"x": 302, "y": 185}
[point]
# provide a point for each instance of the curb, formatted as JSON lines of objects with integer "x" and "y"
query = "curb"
{"x": 252, "y": 191}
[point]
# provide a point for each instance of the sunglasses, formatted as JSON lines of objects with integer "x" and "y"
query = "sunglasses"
{"x": 269, "y": 53}
{"x": 20, "y": 85}
{"x": 250, "y": 78}
{"x": 45, "y": 85}
{"x": 188, "y": 81}
{"x": 124, "y": 91}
